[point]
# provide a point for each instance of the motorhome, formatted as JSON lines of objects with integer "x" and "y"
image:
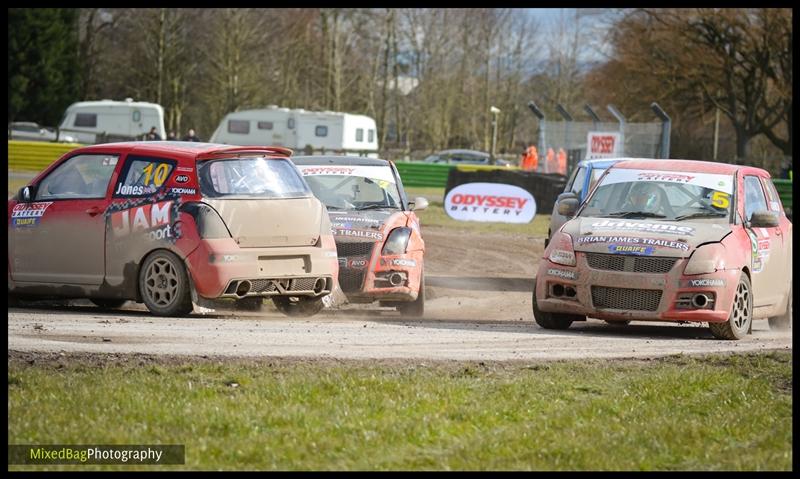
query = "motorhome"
{"x": 107, "y": 120}
{"x": 325, "y": 131}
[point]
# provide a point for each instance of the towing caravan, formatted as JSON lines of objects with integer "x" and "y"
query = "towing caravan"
{"x": 106, "y": 121}
{"x": 325, "y": 131}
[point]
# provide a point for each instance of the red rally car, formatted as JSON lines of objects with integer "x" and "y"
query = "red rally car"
{"x": 377, "y": 233}
{"x": 167, "y": 222}
{"x": 671, "y": 240}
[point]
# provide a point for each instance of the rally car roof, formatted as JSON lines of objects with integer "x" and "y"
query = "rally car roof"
{"x": 692, "y": 166}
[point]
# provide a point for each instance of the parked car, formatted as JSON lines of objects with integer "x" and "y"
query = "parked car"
{"x": 579, "y": 184}
{"x": 164, "y": 223}
{"x": 30, "y": 131}
{"x": 377, "y": 233}
{"x": 671, "y": 240}
{"x": 463, "y": 157}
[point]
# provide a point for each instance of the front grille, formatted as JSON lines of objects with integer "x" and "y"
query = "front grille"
{"x": 347, "y": 249}
{"x": 629, "y": 263}
{"x": 353, "y": 279}
{"x": 624, "y": 298}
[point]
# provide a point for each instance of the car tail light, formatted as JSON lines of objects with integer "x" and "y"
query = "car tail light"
{"x": 560, "y": 250}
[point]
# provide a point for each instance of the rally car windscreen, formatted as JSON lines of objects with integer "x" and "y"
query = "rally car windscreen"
{"x": 355, "y": 189}
{"x": 667, "y": 195}
{"x": 250, "y": 178}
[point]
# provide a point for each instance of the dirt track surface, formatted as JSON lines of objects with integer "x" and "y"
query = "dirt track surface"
{"x": 478, "y": 308}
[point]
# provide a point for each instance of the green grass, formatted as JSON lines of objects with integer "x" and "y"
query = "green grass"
{"x": 724, "y": 412}
{"x": 435, "y": 215}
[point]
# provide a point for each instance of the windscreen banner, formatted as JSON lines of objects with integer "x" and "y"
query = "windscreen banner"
{"x": 490, "y": 202}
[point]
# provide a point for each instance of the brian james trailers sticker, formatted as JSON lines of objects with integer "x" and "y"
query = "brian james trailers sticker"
{"x": 663, "y": 243}
{"x": 358, "y": 234}
{"x": 490, "y": 202}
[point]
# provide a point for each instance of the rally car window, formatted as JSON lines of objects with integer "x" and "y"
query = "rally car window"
{"x": 578, "y": 180}
{"x": 80, "y": 177}
{"x": 250, "y": 178}
{"x": 772, "y": 195}
{"x": 143, "y": 176}
{"x": 753, "y": 197}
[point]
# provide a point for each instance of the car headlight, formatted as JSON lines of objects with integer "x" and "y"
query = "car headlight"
{"x": 706, "y": 259}
{"x": 397, "y": 242}
{"x": 560, "y": 250}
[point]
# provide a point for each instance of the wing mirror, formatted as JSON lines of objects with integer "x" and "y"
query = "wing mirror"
{"x": 764, "y": 219}
{"x": 26, "y": 194}
{"x": 568, "y": 206}
{"x": 419, "y": 203}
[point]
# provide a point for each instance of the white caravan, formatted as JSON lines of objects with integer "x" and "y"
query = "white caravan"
{"x": 297, "y": 129}
{"x": 106, "y": 120}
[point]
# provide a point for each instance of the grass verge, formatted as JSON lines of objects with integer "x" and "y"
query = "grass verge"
{"x": 720, "y": 412}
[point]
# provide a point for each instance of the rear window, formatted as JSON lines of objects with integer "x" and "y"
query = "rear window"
{"x": 251, "y": 178}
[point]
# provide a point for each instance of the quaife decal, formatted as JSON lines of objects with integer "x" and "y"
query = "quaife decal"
{"x": 183, "y": 191}
{"x": 155, "y": 219}
{"x": 28, "y": 214}
{"x": 663, "y": 243}
{"x": 562, "y": 273}
{"x": 649, "y": 227}
{"x": 358, "y": 233}
{"x": 409, "y": 263}
{"x": 630, "y": 249}
{"x": 705, "y": 282}
{"x": 181, "y": 178}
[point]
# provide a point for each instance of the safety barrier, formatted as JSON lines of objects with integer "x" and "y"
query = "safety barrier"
{"x": 35, "y": 155}
{"x": 784, "y": 188}
{"x": 435, "y": 174}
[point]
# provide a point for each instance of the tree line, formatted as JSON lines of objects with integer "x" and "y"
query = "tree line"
{"x": 427, "y": 76}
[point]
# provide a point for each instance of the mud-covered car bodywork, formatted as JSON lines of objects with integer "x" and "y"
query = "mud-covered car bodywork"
{"x": 703, "y": 261}
{"x": 377, "y": 234}
{"x": 84, "y": 227}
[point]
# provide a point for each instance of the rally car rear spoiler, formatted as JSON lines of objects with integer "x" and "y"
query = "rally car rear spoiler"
{"x": 248, "y": 150}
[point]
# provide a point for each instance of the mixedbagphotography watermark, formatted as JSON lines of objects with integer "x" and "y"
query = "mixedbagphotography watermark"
{"x": 132, "y": 454}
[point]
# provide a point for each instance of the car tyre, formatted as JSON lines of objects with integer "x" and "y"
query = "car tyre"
{"x": 740, "y": 319}
{"x": 298, "y": 306}
{"x": 551, "y": 320}
{"x": 164, "y": 285}
{"x": 108, "y": 303}
{"x": 784, "y": 321}
{"x": 416, "y": 308}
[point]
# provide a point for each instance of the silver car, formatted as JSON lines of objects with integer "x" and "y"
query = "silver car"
{"x": 30, "y": 131}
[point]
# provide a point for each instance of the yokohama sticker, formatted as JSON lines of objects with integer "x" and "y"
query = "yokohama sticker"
{"x": 562, "y": 273}
{"x": 409, "y": 263}
{"x": 28, "y": 214}
{"x": 699, "y": 283}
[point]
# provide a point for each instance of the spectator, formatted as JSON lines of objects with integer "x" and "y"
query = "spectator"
{"x": 561, "y": 162}
{"x": 153, "y": 135}
{"x": 530, "y": 159}
{"x": 190, "y": 136}
{"x": 171, "y": 136}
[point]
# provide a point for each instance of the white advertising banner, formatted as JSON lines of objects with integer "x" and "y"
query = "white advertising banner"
{"x": 489, "y": 202}
{"x": 603, "y": 144}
